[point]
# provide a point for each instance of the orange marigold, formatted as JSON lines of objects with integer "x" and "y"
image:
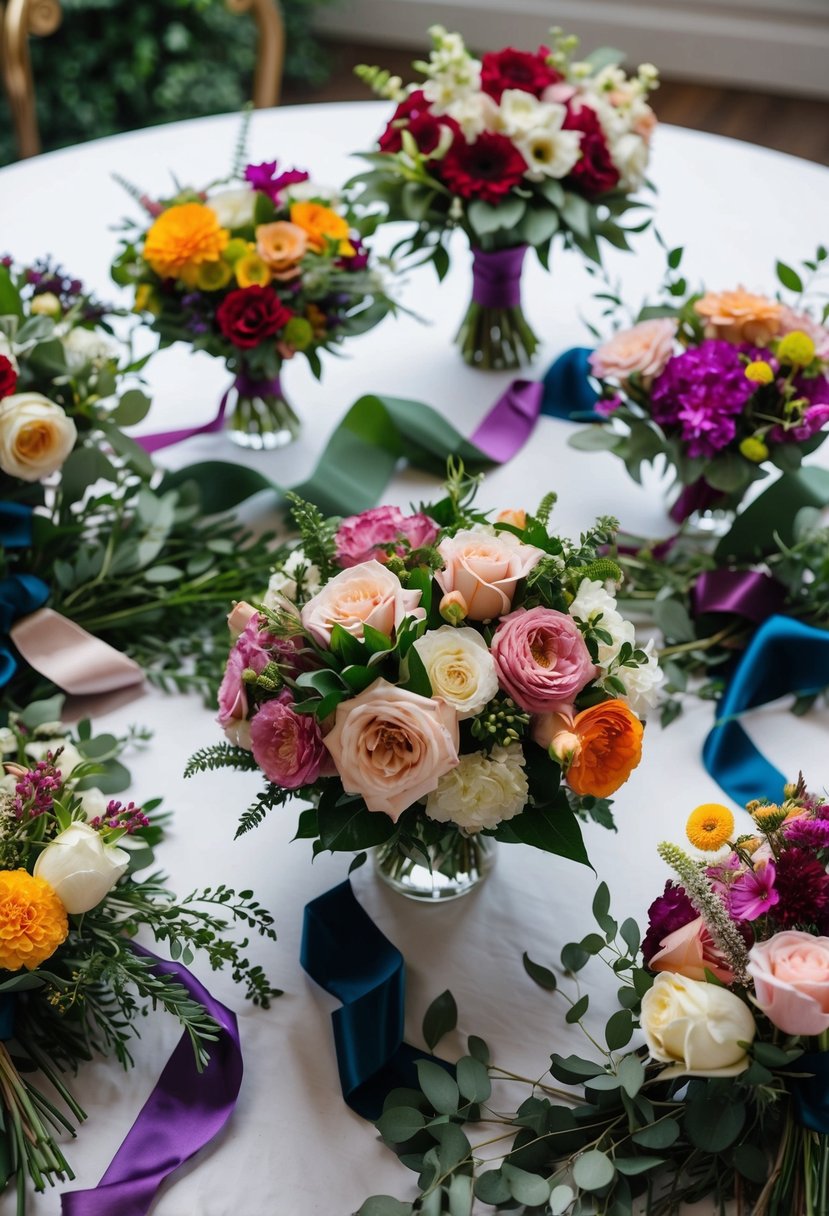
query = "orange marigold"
{"x": 182, "y": 238}
{"x": 320, "y": 224}
{"x": 33, "y": 921}
{"x": 610, "y": 747}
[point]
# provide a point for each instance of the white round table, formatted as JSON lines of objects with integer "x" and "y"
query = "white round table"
{"x": 292, "y": 1145}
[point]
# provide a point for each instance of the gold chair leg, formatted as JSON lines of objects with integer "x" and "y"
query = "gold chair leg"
{"x": 270, "y": 52}
{"x": 18, "y": 20}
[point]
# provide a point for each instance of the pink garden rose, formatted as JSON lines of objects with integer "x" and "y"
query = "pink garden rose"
{"x": 791, "y": 981}
{"x": 485, "y": 569}
{"x": 392, "y": 746}
{"x": 363, "y": 537}
{"x": 367, "y": 594}
{"x": 288, "y": 747}
{"x": 542, "y": 659}
{"x": 690, "y": 951}
{"x": 645, "y": 349}
{"x": 249, "y": 651}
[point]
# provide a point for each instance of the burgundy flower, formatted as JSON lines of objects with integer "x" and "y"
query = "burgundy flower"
{"x": 512, "y": 69}
{"x": 669, "y": 912}
{"x": 804, "y": 891}
{"x": 486, "y": 169}
{"x": 424, "y": 127}
{"x": 249, "y": 315}
{"x": 594, "y": 173}
{"x": 8, "y": 377}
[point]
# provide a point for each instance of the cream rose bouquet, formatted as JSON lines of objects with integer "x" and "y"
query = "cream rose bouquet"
{"x": 725, "y": 1099}
{"x": 433, "y": 681}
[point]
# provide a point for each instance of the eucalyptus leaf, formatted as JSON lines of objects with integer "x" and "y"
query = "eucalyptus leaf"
{"x": 473, "y": 1079}
{"x": 439, "y": 1087}
{"x": 541, "y": 975}
{"x": 528, "y": 1189}
{"x": 385, "y": 1205}
{"x": 440, "y": 1018}
{"x": 492, "y": 1187}
{"x": 400, "y": 1124}
{"x": 593, "y": 1171}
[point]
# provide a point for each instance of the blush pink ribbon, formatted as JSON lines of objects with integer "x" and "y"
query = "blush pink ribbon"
{"x": 70, "y": 657}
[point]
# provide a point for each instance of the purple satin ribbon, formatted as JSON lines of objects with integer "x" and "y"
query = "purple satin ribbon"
{"x": 746, "y": 593}
{"x": 699, "y": 496}
{"x": 510, "y": 422}
{"x": 496, "y": 276}
{"x": 245, "y": 387}
{"x": 184, "y": 1112}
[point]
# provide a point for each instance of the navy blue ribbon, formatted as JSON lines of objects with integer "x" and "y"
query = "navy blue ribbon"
{"x": 7, "y": 1011}
{"x": 784, "y": 656}
{"x": 810, "y": 1095}
{"x": 15, "y": 525}
{"x": 568, "y": 392}
{"x": 20, "y": 594}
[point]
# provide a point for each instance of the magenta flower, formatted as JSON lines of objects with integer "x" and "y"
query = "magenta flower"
{"x": 814, "y": 419}
{"x": 287, "y": 746}
{"x": 753, "y": 893}
{"x": 808, "y": 833}
{"x": 364, "y": 537}
{"x": 670, "y": 911}
{"x": 265, "y": 178}
{"x": 699, "y": 395}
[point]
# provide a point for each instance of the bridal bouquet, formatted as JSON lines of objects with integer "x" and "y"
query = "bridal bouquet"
{"x": 513, "y": 149}
{"x": 725, "y": 1100}
{"x": 253, "y": 269}
{"x": 725, "y": 385}
{"x": 76, "y": 886}
{"x": 433, "y": 681}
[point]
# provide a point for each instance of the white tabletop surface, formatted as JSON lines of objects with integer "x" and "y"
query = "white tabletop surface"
{"x": 293, "y": 1148}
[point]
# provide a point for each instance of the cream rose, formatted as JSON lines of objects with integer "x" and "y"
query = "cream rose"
{"x": 234, "y": 208}
{"x": 644, "y": 349}
{"x": 485, "y": 568}
{"x": 460, "y": 668}
{"x": 392, "y": 746}
{"x": 483, "y": 791}
{"x": 80, "y": 867}
{"x": 36, "y": 436}
{"x": 696, "y": 1027}
{"x": 367, "y": 594}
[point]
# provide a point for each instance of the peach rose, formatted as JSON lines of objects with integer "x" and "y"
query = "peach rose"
{"x": 608, "y": 745}
{"x": 485, "y": 569}
{"x": 791, "y": 981}
{"x": 644, "y": 349}
{"x": 392, "y": 747}
{"x": 368, "y": 594}
{"x": 281, "y": 246}
{"x": 690, "y": 951}
{"x": 739, "y": 316}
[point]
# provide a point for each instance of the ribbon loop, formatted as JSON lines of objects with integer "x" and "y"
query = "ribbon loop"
{"x": 496, "y": 276}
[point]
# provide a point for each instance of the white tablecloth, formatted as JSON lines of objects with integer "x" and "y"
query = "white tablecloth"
{"x": 293, "y": 1147}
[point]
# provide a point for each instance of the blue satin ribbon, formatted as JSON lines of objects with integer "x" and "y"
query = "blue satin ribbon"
{"x": 810, "y": 1095}
{"x": 347, "y": 955}
{"x": 784, "y": 656}
{"x": 20, "y": 594}
{"x": 7, "y": 1008}
{"x": 568, "y": 392}
{"x": 15, "y": 525}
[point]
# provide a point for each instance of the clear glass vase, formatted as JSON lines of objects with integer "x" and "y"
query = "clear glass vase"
{"x": 494, "y": 334}
{"x": 259, "y": 415}
{"x": 704, "y": 514}
{"x": 456, "y": 865}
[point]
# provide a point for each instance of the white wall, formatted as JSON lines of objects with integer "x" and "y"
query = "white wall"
{"x": 771, "y": 45}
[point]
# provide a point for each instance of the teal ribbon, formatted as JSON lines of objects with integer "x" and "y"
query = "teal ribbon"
{"x": 20, "y": 594}
{"x": 784, "y": 656}
{"x": 7, "y": 1008}
{"x": 568, "y": 391}
{"x": 15, "y": 525}
{"x": 810, "y": 1095}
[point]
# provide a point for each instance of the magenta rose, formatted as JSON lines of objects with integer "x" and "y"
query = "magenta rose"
{"x": 365, "y": 536}
{"x": 791, "y": 981}
{"x": 542, "y": 659}
{"x": 288, "y": 747}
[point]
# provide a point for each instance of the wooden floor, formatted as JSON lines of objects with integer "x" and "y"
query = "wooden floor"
{"x": 797, "y": 125}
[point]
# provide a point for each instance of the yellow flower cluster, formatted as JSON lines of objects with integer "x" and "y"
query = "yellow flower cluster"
{"x": 710, "y": 826}
{"x": 33, "y": 921}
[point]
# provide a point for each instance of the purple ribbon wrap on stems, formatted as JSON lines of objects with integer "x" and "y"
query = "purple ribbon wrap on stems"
{"x": 496, "y": 276}
{"x": 745, "y": 593}
{"x": 245, "y": 386}
{"x": 184, "y": 1112}
{"x": 699, "y": 496}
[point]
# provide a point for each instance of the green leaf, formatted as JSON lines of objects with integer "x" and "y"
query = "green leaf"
{"x": 385, "y": 1205}
{"x": 351, "y": 828}
{"x": 400, "y": 1124}
{"x": 478, "y": 1049}
{"x": 439, "y": 1087}
{"x": 460, "y": 1195}
{"x": 619, "y": 1030}
{"x": 560, "y": 1199}
{"x": 10, "y": 304}
{"x": 601, "y": 909}
{"x": 575, "y": 213}
{"x": 359, "y": 860}
{"x": 492, "y": 1187}
{"x": 538, "y": 225}
{"x": 113, "y": 780}
{"x": 83, "y": 467}
{"x": 714, "y": 1124}
{"x": 658, "y": 1135}
{"x": 486, "y": 218}
{"x": 593, "y": 1171}
{"x": 417, "y": 678}
{"x": 454, "y": 1146}
{"x": 573, "y": 957}
{"x": 673, "y": 619}
{"x": 630, "y": 935}
{"x": 41, "y": 712}
{"x": 631, "y": 1074}
{"x": 440, "y": 1018}
{"x": 542, "y": 975}
{"x": 473, "y": 1079}
{"x": 789, "y": 277}
{"x": 163, "y": 574}
{"x": 526, "y": 1188}
{"x": 631, "y": 1166}
{"x": 573, "y": 1070}
{"x": 554, "y": 829}
{"x": 596, "y": 438}
{"x": 729, "y": 472}
{"x": 751, "y": 1162}
{"x": 577, "y": 1011}
{"x": 420, "y": 579}
{"x": 132, "y": 408}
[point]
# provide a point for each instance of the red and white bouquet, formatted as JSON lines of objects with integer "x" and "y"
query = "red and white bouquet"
{"x": 513, "y": 149}
{"x": 433, "y": 680}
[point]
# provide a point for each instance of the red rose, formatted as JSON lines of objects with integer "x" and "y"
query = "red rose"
{"x": 594, "y": 173}
{"x": 424, "y": 126}
{"x": 486, "y": 169}
{"x": 8, "y": 377}
{"x": 512, "y": 69}
{"x": 249, "y": 315}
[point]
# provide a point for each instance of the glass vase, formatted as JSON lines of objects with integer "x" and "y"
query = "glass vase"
{"x": 258, "y": 414}
{"x": 705, "y": 514}
{"x": 494, "y": 334}
{"x": 457, "y": 864}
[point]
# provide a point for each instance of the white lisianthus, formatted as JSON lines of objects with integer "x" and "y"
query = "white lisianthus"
{"x": 642, "y": 682}
{"x": 460, "y": 667}
{"x": 482, "y": 791}
{"x": 86, "y": 346}
{"x": 36, "y": 436}
{"x": 630, "y": 155}
{"x": 282, "y": 584}
{"x": 234, "y": 208}
{"x": 520, "y": 112}
{"x": 80, "y": 867}
{"x": 67, "y": 761}
{"x": 474, "y": 113}
{"x": 696, "y": 1027}
{"x": 549, "y": 152}
{"x": 6, "y": 350}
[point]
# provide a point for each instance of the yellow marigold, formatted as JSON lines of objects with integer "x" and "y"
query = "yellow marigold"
{"x": 33, "y": 921}
{"x": 321, "y": 224}
{"x": 710, "y": 826}
{"x": 251, "y": 271}
{"x": 759, "y": 372}
{"x": 739, "y": 316}
{"x": 796, "y": 348}
{"x": 184, "y": 236}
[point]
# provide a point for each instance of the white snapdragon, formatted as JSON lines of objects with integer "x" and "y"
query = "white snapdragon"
{"x": 282, "y": 584}
{"x": 474, "y": 113}
{"x": 460, "y": 667}
{"x": 451, "y": 71}
{"x": 483, "y": 790}
{"x": 80, "y": 867}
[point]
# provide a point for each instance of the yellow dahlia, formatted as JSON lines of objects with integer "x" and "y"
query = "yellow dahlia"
{"x": 710, "y": 826}
{"x": 183, "y": 237}
{"x": 33, "y": 921}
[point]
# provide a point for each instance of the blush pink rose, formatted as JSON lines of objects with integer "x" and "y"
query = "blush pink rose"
{"x": 645, "y": 349}
{"x": 365, "y": 536}
{"x": 233, "y": 702}
{"x": 288, "y": 747}
{"x": 485, "y": 569}
{"x": 367, "y": 594}
{"x": 791, "y": 981}
{"x": 392, "y": 747}
{"x": 689, "y": 951}
{"x": 542, "y": 659}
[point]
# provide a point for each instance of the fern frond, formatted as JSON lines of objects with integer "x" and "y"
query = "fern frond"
{"x": 220, "y": 755}
{"x": 269, "y": 798}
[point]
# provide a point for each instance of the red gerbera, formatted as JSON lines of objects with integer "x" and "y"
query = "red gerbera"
{"x": 594, "y": 173}
{"x": 512, "y": 69}
{"x": 424, "y": 126}
{"x": 486, "y": 169}
{"x": 8, "y": 377}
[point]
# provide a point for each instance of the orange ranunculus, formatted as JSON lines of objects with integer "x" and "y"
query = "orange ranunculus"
{"x": 610, "y": 747}
{"x": 33, "y": 921}
{"x": 182, "y": 238}
{"x": 740, "y": 316}
{"x": 281, "y": 246}
{"x": 321, "y": 224}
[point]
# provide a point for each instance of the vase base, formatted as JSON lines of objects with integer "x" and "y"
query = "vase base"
{"x": 709, "y": 525}
{"x": 257, "y": 441}
{"x": 412, "y": 877}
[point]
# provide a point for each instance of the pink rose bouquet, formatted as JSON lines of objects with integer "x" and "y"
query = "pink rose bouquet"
{"x": 396, "y": 671}
{"x": 514, "y": 149}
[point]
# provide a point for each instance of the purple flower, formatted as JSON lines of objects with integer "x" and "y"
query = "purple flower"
{"x": 814, "y": 419}
{"x": 753, "y": 893}
{"x": 35, "y": 790}
{"x": 606, "y": 406}
{"x": 700, "y": 393}
{"x": 804, "y": 890}
{"x": 126, "y": 817}
{"x": 808, "y": 833}
{"x": 265, "y": 178}
{"x": 670, "y": 911}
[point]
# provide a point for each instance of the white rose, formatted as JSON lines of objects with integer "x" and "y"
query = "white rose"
{"x": 67, "y": 761}
{"x": 642, "y": 683}
{"x": 6, "y": 349}
{"x": 482, "y": 791}
{"x": 80, "y": 867}
{"x": 282, "y": 584}
{"x": 94, "y": 802}
{"x": 36, "y": 436}
{"x": 233, "y": 208}
{"x": 595, "y": 605}
{"x": 460, "y": 668}
{"x": 696, "y": 1027}
{"x": 86, "y": 346}
{"x": 630, "y": 154}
